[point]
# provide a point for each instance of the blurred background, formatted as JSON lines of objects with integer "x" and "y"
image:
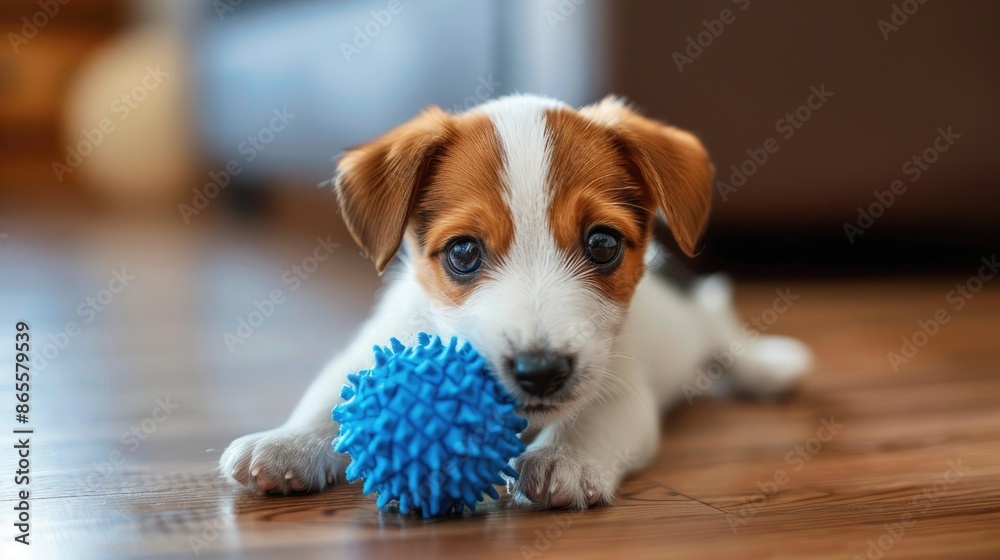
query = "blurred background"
{"x": 187, "y": 87}
{"x": 177, "y": 147}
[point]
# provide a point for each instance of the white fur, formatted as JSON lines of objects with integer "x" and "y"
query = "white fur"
{"x": 537, "y": 297}
{"x": 630, "y": 363}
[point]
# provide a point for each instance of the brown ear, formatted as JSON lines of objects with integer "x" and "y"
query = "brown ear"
{"x": 670, "y": 162}
{"x": 377, "y": 183}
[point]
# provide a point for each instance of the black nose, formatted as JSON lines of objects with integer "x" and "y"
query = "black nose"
{"x": 540, "y": 373}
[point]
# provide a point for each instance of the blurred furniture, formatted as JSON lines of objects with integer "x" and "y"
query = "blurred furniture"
{"x": 350, "y": 70}
{"x": 33, "y": 81}
{"x": 890, "y": 97}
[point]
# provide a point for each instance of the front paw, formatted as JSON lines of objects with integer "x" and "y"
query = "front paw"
{"x": 557, "y": 477}
{"x": 283, "y": 460}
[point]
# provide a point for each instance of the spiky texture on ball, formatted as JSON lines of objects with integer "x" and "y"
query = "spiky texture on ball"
{"x": 428, "y": 427}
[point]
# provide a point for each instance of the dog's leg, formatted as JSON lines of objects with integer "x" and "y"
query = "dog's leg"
{"x": 666, "y": 340}
{"x": 297, "y": 456}
{"x": 682, "y": 333}
{"x": 758, "y": 365}
{"x": 580, "y": 461}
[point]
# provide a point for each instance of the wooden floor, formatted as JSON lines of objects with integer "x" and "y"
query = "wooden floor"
{"x": 909, "y": 459}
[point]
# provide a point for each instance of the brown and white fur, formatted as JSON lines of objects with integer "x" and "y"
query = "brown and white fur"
{"x": 528, "y": 177}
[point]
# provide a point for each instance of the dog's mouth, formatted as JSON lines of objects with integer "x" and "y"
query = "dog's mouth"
{"x": 544, "y": 409}
{"x": 539, "y": 408}
{"x": 539, "y": 414}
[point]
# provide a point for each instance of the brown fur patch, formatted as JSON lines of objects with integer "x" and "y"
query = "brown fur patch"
{"x": 592, "y": 186}
{"x": 669, "y": 162}
{"x": 377, "y": 183}
{"x": 463, "y": 197}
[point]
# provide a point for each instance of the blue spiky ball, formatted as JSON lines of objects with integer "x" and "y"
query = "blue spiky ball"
{"x": 428, "y": 427}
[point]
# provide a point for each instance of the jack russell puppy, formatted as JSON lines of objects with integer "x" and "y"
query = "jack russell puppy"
{"x": 528, "y": 232}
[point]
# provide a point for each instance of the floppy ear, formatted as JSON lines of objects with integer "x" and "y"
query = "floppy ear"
{"x": 377, "y": 183}
{"x": 671, "y": 163}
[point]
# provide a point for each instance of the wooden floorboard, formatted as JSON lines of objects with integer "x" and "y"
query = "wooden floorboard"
{"x": 727, "y": 482}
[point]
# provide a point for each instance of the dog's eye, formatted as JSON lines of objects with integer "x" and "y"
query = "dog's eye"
{"x": 463, "y": 256}
{"x": 603, "y": 246}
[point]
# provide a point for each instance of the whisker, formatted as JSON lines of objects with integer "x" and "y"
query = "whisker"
{"x": 627, "y": 391}
{"x": 634, "y": 359}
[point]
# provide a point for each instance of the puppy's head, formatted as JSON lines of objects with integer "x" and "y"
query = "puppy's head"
{"x": 527, "y": 223}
